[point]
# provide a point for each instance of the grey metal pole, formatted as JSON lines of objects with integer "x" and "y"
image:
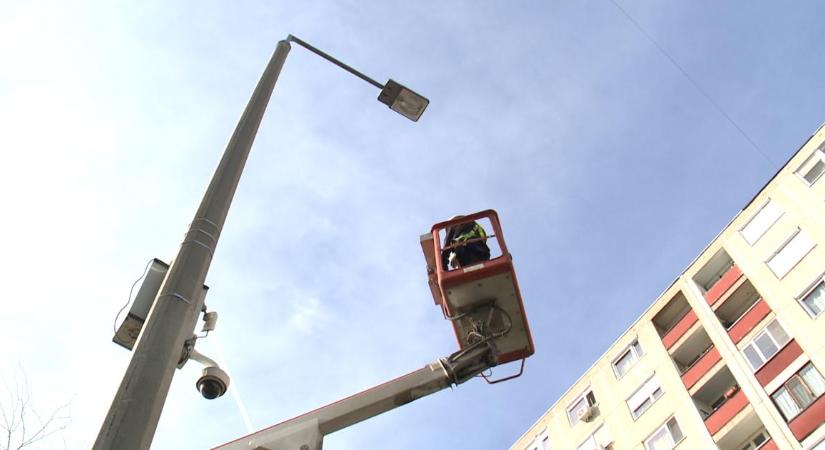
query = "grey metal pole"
{"x": 134, "y": 414}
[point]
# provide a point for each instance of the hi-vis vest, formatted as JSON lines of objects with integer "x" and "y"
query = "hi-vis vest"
{"x": 476, "y": 232}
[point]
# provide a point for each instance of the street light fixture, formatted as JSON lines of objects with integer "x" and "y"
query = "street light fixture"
{"x": 135, "y": 411}
{"x": 403, "y": 101}
{"x": 398, "y": 97}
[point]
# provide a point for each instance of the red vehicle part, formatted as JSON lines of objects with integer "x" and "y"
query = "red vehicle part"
{"x": 483, "y": 298}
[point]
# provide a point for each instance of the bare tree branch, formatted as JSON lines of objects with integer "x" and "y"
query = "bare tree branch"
{"x": 21, "y": 424}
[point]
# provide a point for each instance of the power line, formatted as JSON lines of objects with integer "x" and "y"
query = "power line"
{"x": 693, "y": 82}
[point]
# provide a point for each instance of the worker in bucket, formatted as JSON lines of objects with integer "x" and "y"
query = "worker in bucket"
{"x": 464, "y": 245}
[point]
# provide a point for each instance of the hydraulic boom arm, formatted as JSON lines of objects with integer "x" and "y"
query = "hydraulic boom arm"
{"x": 307, "y": 431}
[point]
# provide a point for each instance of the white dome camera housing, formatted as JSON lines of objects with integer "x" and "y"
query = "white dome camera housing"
{"x": 213, "y": 383}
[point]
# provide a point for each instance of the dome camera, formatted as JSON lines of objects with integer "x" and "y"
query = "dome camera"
{"x": 213, "y": 383}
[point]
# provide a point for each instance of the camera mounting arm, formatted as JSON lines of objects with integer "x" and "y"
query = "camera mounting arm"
{"x": 201, "y": 358}
{"x": 307, "y": 431}
{"x": 214, "y": 381}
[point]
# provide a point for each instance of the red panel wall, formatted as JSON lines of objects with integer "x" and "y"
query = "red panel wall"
{"x": 747, "y": 322}
{"x": 809, "y": 420}
{"x": 679, "y": 329}
{"x": 724, "y": 283}
{"x": 700, "y": 367}
{"x": 726, "y": 412}
{"x": 778, "y": 363}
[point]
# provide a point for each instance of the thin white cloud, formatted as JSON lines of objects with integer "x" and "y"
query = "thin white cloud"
{"x": 307, "y": 315}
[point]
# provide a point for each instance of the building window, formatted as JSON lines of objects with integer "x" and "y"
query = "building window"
{"x": 545, "y": 443}
{"x": 666, "y": 437}
{"x": 756, "y": 440}
{"x": 813, "y": 300}
{"x": 645, "y": 396}
{"x": 599, "y": 440}
{"x": 540, "y": 442}
{"x": 627, "y": 359}
{"x": 588, "y": 444}
{"x": 761, "y": 222}
{"x": 765, "y": 344}
{"x": 799, "y": 391}
{"x": 581, "y": 408}
{"x": 791, "y": 253}
{"x": 813, "y": 167}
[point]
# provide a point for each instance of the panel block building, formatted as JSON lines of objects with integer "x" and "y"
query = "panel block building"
{"x": 732, "y": 354}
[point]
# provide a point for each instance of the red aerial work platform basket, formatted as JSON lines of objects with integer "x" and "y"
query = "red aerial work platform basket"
{"x": 482, "y": 298}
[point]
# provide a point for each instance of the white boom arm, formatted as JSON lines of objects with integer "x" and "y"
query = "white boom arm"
{"x": 307, "y": 431}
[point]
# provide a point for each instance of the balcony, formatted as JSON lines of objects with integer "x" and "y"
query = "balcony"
{"x": 768, "y": 445}
{"x": 726, "y": 412}
{"x": 717, "y": 276}
{"x": 719, "y": 400}
{"x": 736, "y": 301}
{"x": 742, "y": 430}
{"x": 700, "y": 367}
{"x": 723, "y": 284}
{"x": 694, "y": 355}
{"x": 809, "y": 419}
{"x": 778, "y": 362}
{"x": 674, "y": 320}
{"x": 679, "y": 329}
{"x": 752, "y": 317}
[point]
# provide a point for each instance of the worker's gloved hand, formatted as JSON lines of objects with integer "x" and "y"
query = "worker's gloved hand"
{"x": 454, "y": 260}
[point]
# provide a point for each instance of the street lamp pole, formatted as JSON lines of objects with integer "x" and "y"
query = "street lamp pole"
{"x": 135, "y": 411}
{"x": 134, "y": 414}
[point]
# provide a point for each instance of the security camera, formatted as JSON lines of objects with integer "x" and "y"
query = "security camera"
{"x": 213, "y": 383}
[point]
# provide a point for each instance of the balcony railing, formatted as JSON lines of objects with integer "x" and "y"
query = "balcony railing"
{"x": 778, "y": 362}
{"x": 749, "y": 320}
{"x": 700, "y": 367}
{"x": 809, "y": 419}
{"x": 768, "y": 445}
{"x": 726, "y": 412}
{"x": 679, "y": 330}
{"x": 723, "y": 284}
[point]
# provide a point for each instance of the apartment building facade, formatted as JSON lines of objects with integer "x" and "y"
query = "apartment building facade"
{"x": 732, "y": 354}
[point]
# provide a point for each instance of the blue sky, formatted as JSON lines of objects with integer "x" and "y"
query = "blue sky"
{"x": 609, "y": 169}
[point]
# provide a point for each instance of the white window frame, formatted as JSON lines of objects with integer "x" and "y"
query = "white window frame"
{"x": 544, "y": 441}
{"x": 749, "y": 445}
{"x": 794, "y": 235}
{"x": 540, "y": 442}
{"x": 571, "y": 409}
{"x": 765, "y": 331}
{"x": 767, "y": 225}
{"x": 820, "y": 281}
{"x": 597, "y": 439}
{"x": 651, "y": 396}
{"x": 820, "y": 445}
{"x": 664, "y": 426}
{"x": 802, "y": 381}
{"x": 809, "y": 164}
{"x": 636, "y": 350}
{"x": 591, "y": 440}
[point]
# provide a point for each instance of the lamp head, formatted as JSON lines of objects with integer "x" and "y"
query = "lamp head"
{"x": 403, "y": 101}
